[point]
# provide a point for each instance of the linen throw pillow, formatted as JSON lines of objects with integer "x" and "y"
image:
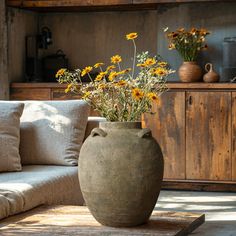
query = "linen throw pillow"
{"x": 52, "y": 132}
{"x": 10, "y": 113}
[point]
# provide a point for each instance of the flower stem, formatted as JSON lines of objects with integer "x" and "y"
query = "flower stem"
{"x": 119, "y": 66}
{"x": 90, "y": 77}
{"x": 135, "y": 51}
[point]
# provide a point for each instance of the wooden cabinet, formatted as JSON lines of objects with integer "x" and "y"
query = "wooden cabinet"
{"x": 40, "y": 91}
{"x": 234, "y": 136}
{"x": 208, "y": 136}
{"x": 168, "y": 128}
{"x": 194, "y": 123}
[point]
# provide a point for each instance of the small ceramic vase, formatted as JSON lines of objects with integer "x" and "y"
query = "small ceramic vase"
{"x": 189, "y": 72}
{"x": 211, "y": 76}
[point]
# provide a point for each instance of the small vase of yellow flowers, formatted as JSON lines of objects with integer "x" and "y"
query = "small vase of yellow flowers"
{"x": 118, "y": 93}
{"x": 188, "y": 43}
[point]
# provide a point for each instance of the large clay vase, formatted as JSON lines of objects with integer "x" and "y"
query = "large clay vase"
{"x": 189, "y": 72}
{"x": 120, "y": 172}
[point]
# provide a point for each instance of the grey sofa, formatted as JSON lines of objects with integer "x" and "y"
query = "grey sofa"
{"x": 37, "y": 185}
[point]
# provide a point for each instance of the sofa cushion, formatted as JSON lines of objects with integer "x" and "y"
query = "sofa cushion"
{"x": 37, "y": 185}
{"x": 10, "y": 113}
{"x": 52, "y": 132}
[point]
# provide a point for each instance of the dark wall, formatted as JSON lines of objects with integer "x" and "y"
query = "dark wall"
{"x": 90, "y": 37}
{"x": 218, "y": 18}
{"x": 94, "y": 36}
{"x": 20, "y": 24}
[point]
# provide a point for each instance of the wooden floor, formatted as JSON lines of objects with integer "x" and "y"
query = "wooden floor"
{"x": 75, "y": 220}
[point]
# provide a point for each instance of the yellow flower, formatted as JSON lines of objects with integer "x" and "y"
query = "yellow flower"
{"x": 121, "y": 83}
{"x": 131, "y": 36}
{"x": 124, "y": 71}
{"x": 99, "y": 64}
{"x": 103, "y": 73}
{"x": 112, "y": 67}
{"x": 204, "y": 32}
{"x": 127, "y": 70}
{"x": 162, "y": 64}
{"x": 67, "y": 90}
{"x": 141, "y": 65}
{"x": 116, "y": 59}
{"x": 181, "y": 30}
{"x": 171, "y": 46}
{"x": 60, "y": 72}
{"x": 102, "y": 86}
{"x": 112, "y": 75}
{"x": 193, "y": 31}
{"x": 159, "y": 71}
{"x": 86, "y": 70}
{"x": 86, "y": 95}
{"x": 150, "y": 62}
{"x": 137, "y": 94}
{"x": 100, "y": 76}
{"x": 152, "y": 97}
{"x": 172, "y": 35}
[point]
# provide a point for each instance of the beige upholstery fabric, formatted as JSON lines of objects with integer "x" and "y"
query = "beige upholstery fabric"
{"x": 37, "y": 185}
{"x": 52, "y": 132}
{"x": 10, "y": 113}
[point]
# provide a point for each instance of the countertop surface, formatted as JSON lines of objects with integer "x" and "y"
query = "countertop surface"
{"x": 170, "y": 85}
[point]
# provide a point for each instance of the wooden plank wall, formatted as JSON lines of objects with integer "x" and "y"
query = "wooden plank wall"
{"x": 4, "y": 84}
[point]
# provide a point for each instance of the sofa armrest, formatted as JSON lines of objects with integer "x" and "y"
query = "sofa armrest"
{"x": 93, "y": 122}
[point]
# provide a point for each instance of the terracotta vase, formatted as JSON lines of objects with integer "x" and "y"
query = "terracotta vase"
{"x": 190, "y": 71}
{"x": 120, "y": 172}
{"x": 211, "y": 76}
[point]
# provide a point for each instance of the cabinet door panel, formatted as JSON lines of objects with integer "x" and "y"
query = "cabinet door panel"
{"x": 208, "y": 135}
{"x": 234, "y": 136}
{"x": 168, "y": 128}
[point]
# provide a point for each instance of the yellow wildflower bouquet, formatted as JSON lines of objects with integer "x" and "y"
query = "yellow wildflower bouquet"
{"x": 188, "y": 43}
{"x": 120, "y": 94}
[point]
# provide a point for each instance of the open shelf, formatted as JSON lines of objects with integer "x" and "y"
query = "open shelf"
{"x": 93, "y": 5}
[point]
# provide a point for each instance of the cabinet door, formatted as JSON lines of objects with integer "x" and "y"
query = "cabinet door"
{"x": 168, "y": 128}
{"x": 234, "y": 136}
{"x": 208, "y": 135}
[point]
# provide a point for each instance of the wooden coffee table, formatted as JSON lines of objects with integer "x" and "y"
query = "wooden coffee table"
{"x": 77, "y": 220}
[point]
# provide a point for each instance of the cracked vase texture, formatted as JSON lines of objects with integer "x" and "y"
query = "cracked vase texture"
{"x": 120, "y": 170}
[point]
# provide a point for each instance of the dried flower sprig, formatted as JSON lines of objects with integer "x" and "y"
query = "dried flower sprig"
{"x": 187, "y": 42}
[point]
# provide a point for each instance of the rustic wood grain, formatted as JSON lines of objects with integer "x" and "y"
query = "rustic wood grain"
{"x": 54, "y": 3}
{"x": 208, "y": 135}
{"x": 234, "y": 136}
{"x": 76, "y": 220}
{"x": 69, "y": 3}
{"x": 59, "y": 94}
{"x": 171, "y": 85}
{"x": 4, "y": 80}
{"x": 175, "y": 1}
{"x": 168, "y": 128}
{"x": 30, "y": 94}
{"x": 209, "y": 186}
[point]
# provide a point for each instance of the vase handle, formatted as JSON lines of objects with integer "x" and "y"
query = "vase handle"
{"x": 208, "y": 67}
{"x": 145, "y": 133}
{"x": 98, "y": 132}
